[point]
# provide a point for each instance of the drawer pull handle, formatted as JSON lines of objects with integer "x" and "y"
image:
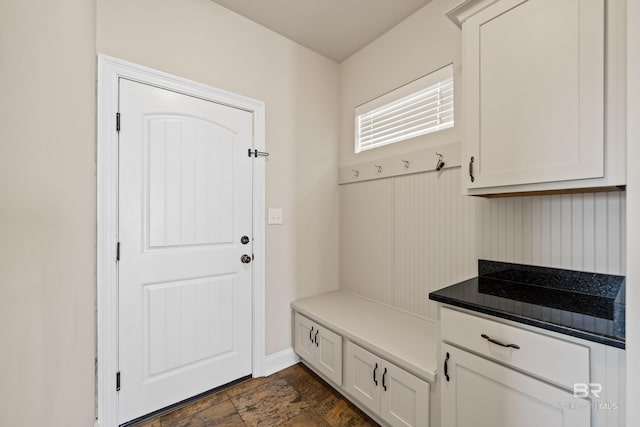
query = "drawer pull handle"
{"x": 316, "y": 338}
{"x": 375, "y": 381}
{"x": 384, "y": 374}
{"x": 491, "y": 340}
{"x": 446, "y": 367}
{"x": 311, "y": 332}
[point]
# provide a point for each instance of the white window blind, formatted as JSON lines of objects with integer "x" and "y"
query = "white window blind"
{"x": 422, "y": 106}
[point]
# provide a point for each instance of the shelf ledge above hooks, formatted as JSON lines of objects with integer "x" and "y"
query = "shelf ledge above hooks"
{"x": 408, "y": 163}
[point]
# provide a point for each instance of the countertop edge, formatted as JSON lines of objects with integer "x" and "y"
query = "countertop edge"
{"x": 610, "y": 341}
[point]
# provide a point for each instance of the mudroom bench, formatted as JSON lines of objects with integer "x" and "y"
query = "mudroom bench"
{"x": 384, "y": 360}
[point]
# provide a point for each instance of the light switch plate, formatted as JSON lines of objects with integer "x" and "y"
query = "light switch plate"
{"x": 275, "y": 216}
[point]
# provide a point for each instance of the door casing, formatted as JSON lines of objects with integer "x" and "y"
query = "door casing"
{"x": 110, "y": 70}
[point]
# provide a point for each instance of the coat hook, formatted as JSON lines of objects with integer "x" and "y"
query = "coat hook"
{"x": 440, "y": 162}
{"x": 379, "y": 168}
{"x": 406, "y": 163}
{"x": 356, "y": 173}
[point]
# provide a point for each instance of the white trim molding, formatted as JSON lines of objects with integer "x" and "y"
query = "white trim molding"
{"x": 110, "y": 70}
{"x": 279, "y": 360}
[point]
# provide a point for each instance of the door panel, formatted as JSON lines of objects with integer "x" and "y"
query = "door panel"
{"x": 406, "y": 400}
{"x": 304, "y": 338}
{"x": 360, "y": 378}
{"x": 185, "y": 299}
{"x": 184, "y": 156}
{"x": 329, "y": 348}
{"x": 534, "y": 82}
{"x": 182, "y": 328}
{"x": 481, "y": 392}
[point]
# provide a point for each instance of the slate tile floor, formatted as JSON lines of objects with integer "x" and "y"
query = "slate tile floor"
{"x": 292, "y": 397}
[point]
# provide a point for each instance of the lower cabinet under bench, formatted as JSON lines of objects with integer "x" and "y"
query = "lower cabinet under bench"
{"x": 383, "y": 360}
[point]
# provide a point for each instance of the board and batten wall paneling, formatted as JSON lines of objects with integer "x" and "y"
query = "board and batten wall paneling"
{"x": 573, "y": 231}
{"x": 366, "y": 239}
{"x": 435, "y": 238}
{"x": 404, "y": 237}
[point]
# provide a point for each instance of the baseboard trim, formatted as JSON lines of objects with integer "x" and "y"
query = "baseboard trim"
{"x": 280, "y": 360}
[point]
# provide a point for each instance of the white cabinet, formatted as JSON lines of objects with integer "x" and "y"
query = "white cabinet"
{"x": 499, "y": 373}
{"x": 565, "y": 363}
{"x": 398, "y": 397}
{"x": 479, "y": 392}
{"x": 320, "y": 347}
{"x": 540, "y": 95}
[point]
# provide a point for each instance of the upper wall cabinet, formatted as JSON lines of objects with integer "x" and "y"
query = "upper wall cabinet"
{"x": 543, "y": 107}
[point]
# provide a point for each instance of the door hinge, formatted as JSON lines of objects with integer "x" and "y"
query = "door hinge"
{"x": 117, "y": 122}
{"x": 118, "y": 252}
{"x": 118, "y": 381}
{"x": 256, "y": 153}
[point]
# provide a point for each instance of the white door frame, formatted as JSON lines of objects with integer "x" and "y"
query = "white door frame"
{"x": 109, "y": 71}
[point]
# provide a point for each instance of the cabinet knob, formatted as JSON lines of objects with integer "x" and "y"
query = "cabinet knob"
{"x": 471, "y": 169}
{"x": 310, "y": 333}
{"x": 316, "y": 338}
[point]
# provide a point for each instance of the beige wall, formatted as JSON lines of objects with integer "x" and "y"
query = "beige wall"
{"x": 200, "y": 40}
{"x": 47, "y": 214}
{"x": 47, "y": 175}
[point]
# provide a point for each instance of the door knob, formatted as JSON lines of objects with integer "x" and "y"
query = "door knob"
{"x": 246, "y": 259}
{"x": 244, "y": 240}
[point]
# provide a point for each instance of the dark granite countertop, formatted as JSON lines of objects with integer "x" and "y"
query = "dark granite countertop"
{"x": 583, "y": 305}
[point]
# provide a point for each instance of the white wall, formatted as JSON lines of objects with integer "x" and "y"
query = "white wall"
{"x": 633, "y": 212}
{"x": 398, "y": 239}
{"x": 584, "y": 232}
{"x": 202, "y": 41}
{"x": 403, "y": 237}
{"x": 47, "y": 214}
{"x": 422, "y": 43}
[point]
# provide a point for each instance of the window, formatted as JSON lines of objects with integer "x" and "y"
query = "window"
{"x": 422, "y": 106}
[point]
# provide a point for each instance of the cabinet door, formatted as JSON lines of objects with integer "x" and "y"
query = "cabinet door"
{"x": 483, "y": 393}
{"x": 304, "y": 331}
{"x": 329, "y": 355}
{"x": 534, "y": 90}
{"x": 405, "y": 398}
{"x": 363, "y": 374}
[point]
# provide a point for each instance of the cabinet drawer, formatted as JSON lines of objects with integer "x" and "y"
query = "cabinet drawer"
{"x": 557, "y": 361}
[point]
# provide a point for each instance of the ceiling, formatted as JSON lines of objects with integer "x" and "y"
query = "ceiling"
{"x": 333, "y": 28}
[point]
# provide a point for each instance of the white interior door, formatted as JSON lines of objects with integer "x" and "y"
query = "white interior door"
{"x": 185, "y": 202}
